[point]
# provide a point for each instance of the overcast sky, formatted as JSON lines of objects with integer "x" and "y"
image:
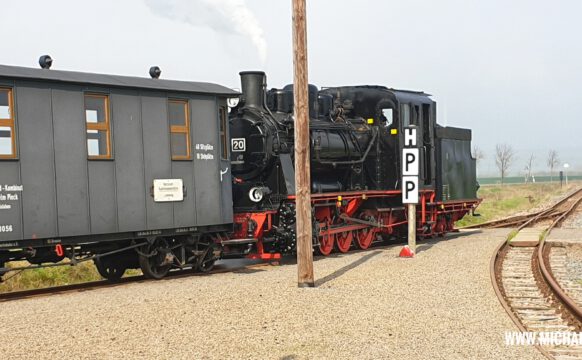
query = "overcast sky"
{"x": 509, "y": 70}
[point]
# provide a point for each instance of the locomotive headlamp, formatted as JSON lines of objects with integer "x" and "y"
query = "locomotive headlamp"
{"x": 232, "y": 102}
{"x": 258, "y": 193}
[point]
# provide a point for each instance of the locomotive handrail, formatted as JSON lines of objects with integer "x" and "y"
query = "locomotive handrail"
{"x": 348, "y": 162}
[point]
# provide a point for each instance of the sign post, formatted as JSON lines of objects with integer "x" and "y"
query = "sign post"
{"x": 410, "y": 172}
{"x": 302, "y": 168}
{"x": 566, "y": 166}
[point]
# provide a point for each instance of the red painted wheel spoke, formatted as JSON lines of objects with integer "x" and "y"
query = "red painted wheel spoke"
{"x": 364, "y": 238}
{"x": 344, "y": 241}
{"x": 326, "y": 244}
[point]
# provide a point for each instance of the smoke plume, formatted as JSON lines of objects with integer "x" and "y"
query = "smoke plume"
{"x": 227, "y": 16}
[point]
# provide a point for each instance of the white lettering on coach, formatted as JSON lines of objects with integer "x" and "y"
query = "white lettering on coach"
{"x": 9, "y": 193}
{"x": 6, "y": 228}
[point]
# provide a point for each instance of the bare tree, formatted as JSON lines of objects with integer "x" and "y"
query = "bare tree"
{"x": 528, "y": 169}
{"x": 552, "y": 162}
{"x": 478, "y": 154}
{"x": 503, "y": 157}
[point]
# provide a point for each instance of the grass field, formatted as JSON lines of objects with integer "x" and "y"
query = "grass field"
{"x": 520, "y": 180}
{"x": 53, "y": 276}
{"x": 502, "y": 201}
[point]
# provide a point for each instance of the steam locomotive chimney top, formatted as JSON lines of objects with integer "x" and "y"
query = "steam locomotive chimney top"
{"x": 253, "y": 84}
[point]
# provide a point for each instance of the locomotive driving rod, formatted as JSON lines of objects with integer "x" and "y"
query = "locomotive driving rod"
{"x": 364, "y": 222}
{"x": 349, "y": 162}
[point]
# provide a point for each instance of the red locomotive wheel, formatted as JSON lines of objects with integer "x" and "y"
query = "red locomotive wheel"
{"x": 325, "y": 244}
{"x": 364, "y": 238}
{"x": 344, "y": 241}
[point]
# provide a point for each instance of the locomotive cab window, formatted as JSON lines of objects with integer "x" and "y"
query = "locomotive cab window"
{"x": 223, "y": 140}
{"x": 98, "y": 126}
{"x": 7, "y": 138}
{"x": 405, "y": 117}
{"x": 416, "y": 115}
{"x": 179, "y": 118}
{"x": 387, "y": 117}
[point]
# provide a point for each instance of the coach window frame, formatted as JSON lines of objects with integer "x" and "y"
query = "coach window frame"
{"x": 104, "y": 126}
{"x": 222, "y": 128}
{"x": 10, "y": 123}
{"x": 181, "y": 129}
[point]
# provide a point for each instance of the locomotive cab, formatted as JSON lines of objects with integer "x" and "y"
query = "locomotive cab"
{"x": 417, "y": 109}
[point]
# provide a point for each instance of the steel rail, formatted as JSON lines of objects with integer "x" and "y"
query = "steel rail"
{"x": 493, "y": 275}
{"x": 574, "y": 308}
{"x": 548, "y": 277}
{"x": 517, "y": 219}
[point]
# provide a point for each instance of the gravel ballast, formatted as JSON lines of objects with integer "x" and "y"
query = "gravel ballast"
{"x": 368, "y": 305}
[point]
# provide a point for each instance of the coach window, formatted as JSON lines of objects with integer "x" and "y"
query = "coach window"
{"x": 7, "y": 138}
{"x": 405, "y": 117}
{"x": 223, "y": 140}
{"x": 179, "y": 129}
{"x": 98, "y": 126}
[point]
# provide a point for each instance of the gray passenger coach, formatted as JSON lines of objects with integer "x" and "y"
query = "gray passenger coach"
{"x": 125, "y": 171}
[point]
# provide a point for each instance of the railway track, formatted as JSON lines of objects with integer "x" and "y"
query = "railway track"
{"x": 531, "y": 285}
{"x": 521, "y": 220}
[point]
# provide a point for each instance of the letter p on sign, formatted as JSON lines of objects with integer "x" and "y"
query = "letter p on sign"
{"x": 410, "y": 162}
{"x": 410, "y": 189}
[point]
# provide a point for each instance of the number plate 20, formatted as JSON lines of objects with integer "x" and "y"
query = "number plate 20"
{"x": 238, "y": 144}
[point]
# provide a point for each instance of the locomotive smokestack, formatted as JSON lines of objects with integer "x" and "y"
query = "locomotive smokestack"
{"x": 254, "y": 84}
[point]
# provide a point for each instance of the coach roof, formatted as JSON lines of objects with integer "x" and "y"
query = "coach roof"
{"x": 17, "y": 72}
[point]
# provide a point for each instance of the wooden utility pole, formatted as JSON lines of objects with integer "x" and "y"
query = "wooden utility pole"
{"x": 302, "y": 164}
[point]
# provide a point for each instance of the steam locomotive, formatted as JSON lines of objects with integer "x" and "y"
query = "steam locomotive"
{"x": 157, "y": 174}
{"x": 355, "y": 145}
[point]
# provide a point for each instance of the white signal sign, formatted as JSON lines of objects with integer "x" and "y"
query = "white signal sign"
{"x": 409, "y": 162}
{"x": 410, "y": 166}
{"x": 410, "y": 136}
{"x": 410, "y": 189}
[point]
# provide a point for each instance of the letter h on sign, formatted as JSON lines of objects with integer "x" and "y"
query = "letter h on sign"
{"x": 410, "y": 166}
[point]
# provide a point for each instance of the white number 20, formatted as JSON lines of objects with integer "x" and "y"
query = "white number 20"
{"x": 238, "y": 144}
